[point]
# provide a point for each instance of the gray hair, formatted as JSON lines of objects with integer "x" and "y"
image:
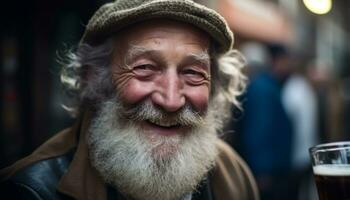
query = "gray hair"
{"x": 87, "y": 78}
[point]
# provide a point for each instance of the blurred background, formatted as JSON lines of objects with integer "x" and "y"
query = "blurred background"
{"x": 298, "y": 92}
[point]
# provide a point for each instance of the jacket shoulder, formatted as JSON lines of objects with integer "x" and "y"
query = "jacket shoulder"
{"x": 231, "y": 177}
{"x": 59, "y": 144}
{"x": 38, "y": 180}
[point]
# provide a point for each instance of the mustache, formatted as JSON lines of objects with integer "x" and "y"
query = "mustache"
{"x": 146, "y": 110}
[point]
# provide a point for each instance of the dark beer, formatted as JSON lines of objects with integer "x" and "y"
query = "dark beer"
{"x": 333, "y": 182}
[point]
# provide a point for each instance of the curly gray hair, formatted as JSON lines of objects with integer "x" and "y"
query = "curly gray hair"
{"x": 87, "y": 77}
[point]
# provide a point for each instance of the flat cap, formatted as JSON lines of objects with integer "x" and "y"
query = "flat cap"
{"x": 119, "y": 14}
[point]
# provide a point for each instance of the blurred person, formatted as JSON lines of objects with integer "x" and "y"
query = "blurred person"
{"x": 329, "y": 100}
{"x": 151, "y": 85}
{"x": 265, "y": 129}
{"x": 300, "y": 101}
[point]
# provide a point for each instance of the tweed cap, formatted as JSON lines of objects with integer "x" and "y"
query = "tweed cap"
{"x": 119, "y": 14}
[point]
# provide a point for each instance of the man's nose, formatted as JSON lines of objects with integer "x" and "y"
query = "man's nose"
{"x": 169, "y": 95}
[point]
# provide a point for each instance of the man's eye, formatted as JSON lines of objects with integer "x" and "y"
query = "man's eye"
{"x": 143, "y": 67}
{"x": 194, "y": 76}
{"x": 144, "y": 70}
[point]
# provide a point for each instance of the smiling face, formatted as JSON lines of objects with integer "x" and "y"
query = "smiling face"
{"x": 164, "y": 64}
{"x": 155, "y": 137}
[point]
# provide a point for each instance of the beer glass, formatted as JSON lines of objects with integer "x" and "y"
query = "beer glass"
{"x": 331, "y": 167}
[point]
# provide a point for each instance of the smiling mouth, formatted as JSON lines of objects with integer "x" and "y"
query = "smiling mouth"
{"x": 165, "y": 128}
{"x": 164, "y": 124}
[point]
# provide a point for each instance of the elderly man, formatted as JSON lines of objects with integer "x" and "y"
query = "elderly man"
{"x": 152, "y": 83}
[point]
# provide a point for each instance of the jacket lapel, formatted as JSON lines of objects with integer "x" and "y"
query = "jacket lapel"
{"x": 81, "y": 181}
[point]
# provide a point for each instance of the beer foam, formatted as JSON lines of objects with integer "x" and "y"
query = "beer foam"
{"x": 332, "y": 170}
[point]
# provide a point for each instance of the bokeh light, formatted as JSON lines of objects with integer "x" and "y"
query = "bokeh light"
{"x": 318, "y": 6}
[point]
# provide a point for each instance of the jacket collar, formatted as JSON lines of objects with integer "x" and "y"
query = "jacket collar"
{"x": 81, "y": 181}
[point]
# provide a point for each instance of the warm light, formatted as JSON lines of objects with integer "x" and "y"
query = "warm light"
{"x": 318, "y": 6}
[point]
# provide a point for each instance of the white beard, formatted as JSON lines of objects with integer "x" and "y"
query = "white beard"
{"x": 159, "y": 168}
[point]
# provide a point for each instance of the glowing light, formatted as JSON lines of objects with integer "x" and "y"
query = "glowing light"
{"x": 318, "y": 6}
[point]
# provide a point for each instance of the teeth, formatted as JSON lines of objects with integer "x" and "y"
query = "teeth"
{"x": 163, "y": 123}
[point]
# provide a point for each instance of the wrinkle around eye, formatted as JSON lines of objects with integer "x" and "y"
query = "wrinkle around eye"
{"x": 196, "y": 82}
{"x": 120, "y": 78}
{"x": 196, "y": 77}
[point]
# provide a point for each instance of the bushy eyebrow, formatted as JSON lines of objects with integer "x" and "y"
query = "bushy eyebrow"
{"x": 136, "y": 51}
{"x": 202, "y": 58}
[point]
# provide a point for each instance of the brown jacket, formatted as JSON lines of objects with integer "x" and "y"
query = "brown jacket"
{"x": 230, "y": 179}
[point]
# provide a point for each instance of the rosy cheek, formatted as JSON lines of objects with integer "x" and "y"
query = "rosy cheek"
{"x": 134, "y": 91}
{"x": 198, "y": 97}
